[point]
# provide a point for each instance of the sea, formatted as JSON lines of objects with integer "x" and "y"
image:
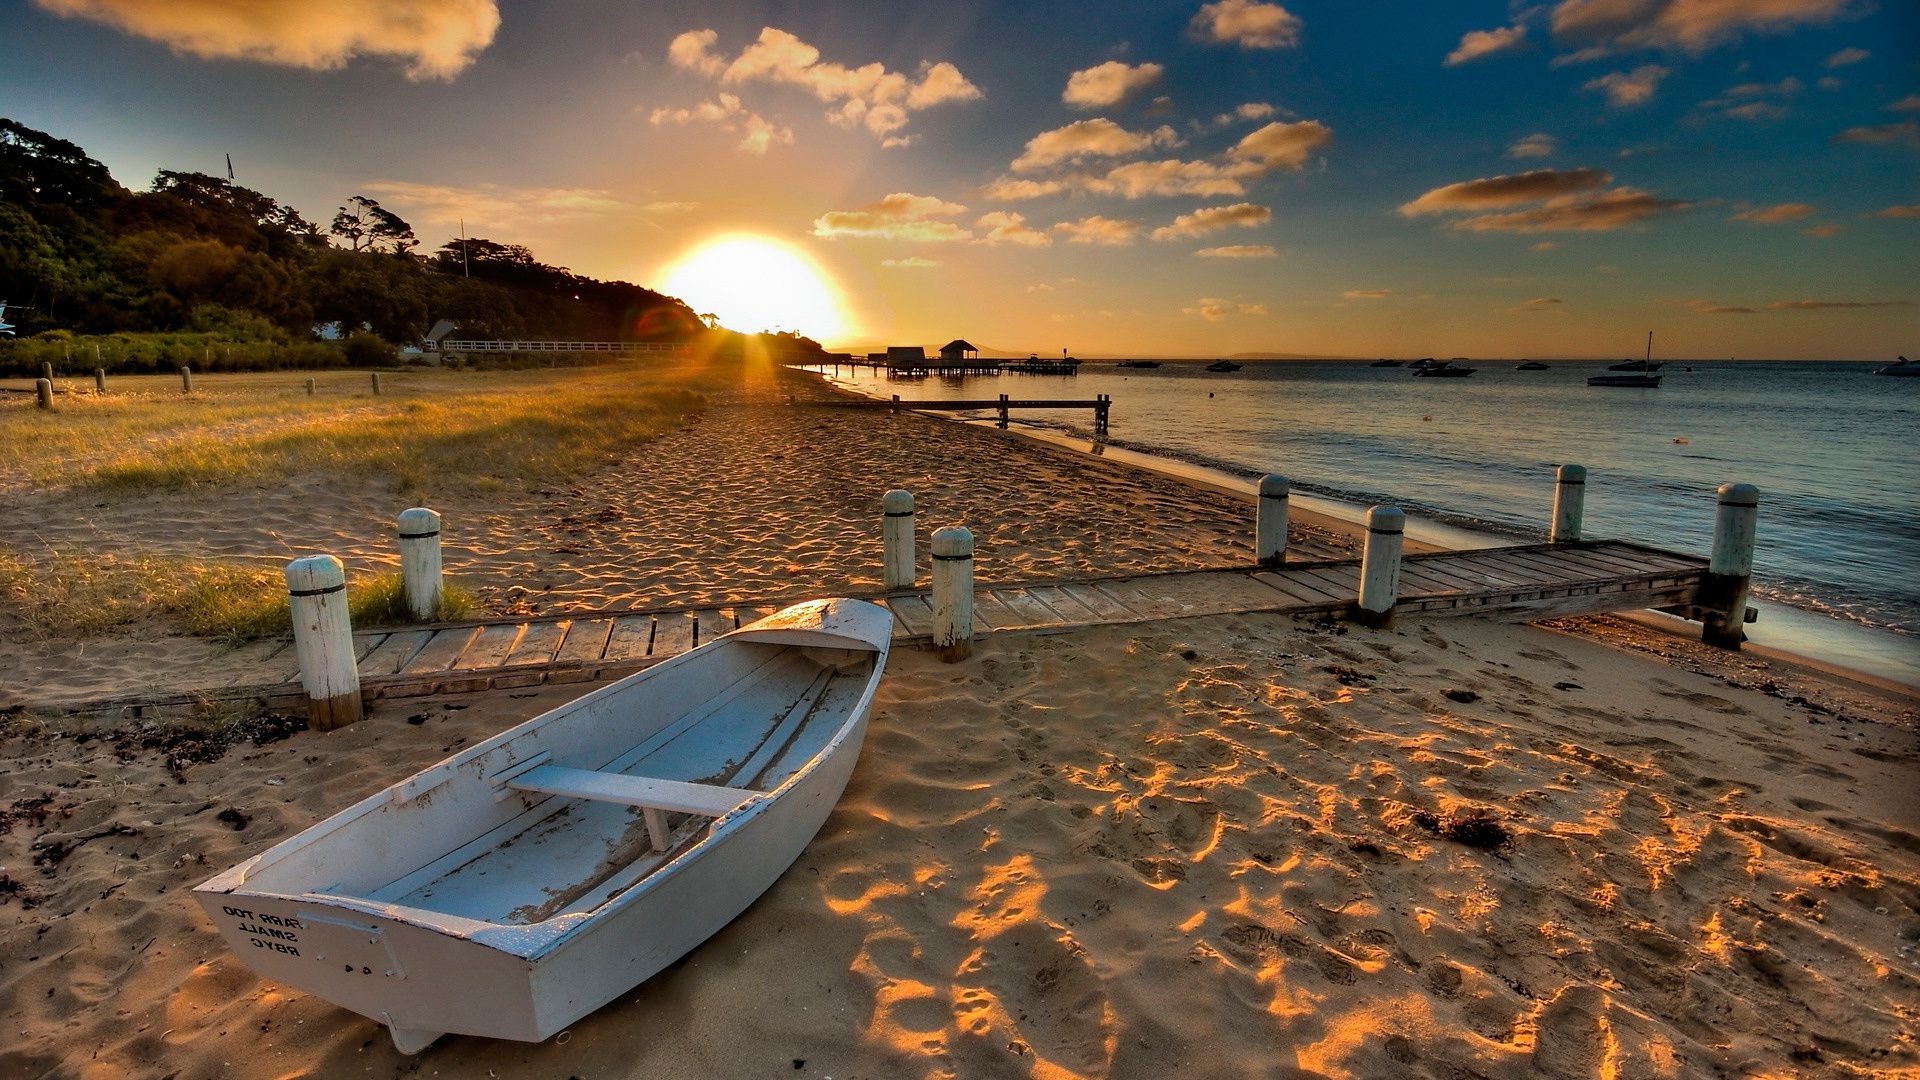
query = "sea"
{"x": 1834, "y": 450}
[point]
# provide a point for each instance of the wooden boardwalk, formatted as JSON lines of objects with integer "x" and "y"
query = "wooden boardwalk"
{"x": 1525, "y": 582}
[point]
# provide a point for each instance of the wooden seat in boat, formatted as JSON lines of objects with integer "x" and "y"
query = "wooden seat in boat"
{"x": 653, "y": 796}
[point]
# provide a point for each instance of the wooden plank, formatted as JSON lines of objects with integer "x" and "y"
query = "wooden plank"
{"x": 441, "y": 651}
{"x": 635, "y": 636}
{"x": 1030, "y": 612}
{"x": 539, "y": 643}
{"x": 990, "y": 614}
{"x": 1628, "y": 560}
{"x": 1436, "y": 569}
{"x": 393, "y": 653}
{"x": 710, "y": 623}
{"x": 1506, "y": 566}
{"x": 1066, "y": 608}
{"x": 912, "y": 612}
{"x": 1629, "y": 549}
{"x": 1180, "y": 595}
{"x": 1296, "y": 586}
{"x": 1601, "y": 562}
{"x": 364, "y": 644}
{"x": 1342, "y": 582}
{"x": 490, "y": 648}
{"x": 706, "y": 800}
{"x": 586, "y": 641}
{"x": 1098, "y": 602}
{"x": 1415, "y": 582}
{"x": 1479, "y": 576}
{"x": 1567, "y": 565}
{"x": 673, "y": 636}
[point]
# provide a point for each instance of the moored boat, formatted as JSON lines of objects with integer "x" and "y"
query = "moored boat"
{"x": 1635, "y": 365}
{"x": 1443, "y": 371}
{"x": 528, "y": 880}
{"x": 1223, "y": 365}
{"x": 1903, "y": 366}
{"x": 1138, "y": 364}
{"x": 1383, "y": 362}
{"x": 1530, "y": 365}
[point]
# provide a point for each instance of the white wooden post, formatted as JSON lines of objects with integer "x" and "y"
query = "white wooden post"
{"x": 1380, "y": 565}
{"x": 897, "y": 533}
{"x": 99, "y": 380}
{"x": 419, "y": 530}
{"x": 953, "y": 593}
{"x": 1569, "y": 504}
{"x": 376, "y": 384}
{"x": 323, "y": 641}
{"x": 1270, "y": 521}
{"x": 186, "y": 380}
{"x": 1723, "y": 594}
{"x": 309, "y": 387}
{"x": 43, "y": 390}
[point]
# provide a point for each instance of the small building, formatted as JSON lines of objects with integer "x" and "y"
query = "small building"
{"x": 959, "y": 349}
{"x": 906, "y": 357}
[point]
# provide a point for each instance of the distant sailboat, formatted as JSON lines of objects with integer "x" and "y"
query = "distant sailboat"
{"x": 1903, "y": 367}
{"x": 1645, "y": 368}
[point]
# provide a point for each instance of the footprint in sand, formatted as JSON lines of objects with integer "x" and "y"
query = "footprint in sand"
{"x": 1705, "y": 701}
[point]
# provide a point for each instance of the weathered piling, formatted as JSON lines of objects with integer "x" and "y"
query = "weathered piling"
{"x": 376, "y": 384}
{"x": 309, "y": 387}
{"x": 1380, "y": 565}
{"x": 896, "y": 528}
{"x": 419, "y": 531}
{"x": 186, "y": 380}
{"x": 323, "y": 641}
{"x": 46, "y": 371}
{"x": 1569, "y": 504}
{"x": 99, "y": 380}
{"x": 953, "y": 593}
{"x": 43, "y": 392}
{"x": 1003, "y": 412}
{"x": 1270, "y": 521}
{"x": 1723, "y": 592}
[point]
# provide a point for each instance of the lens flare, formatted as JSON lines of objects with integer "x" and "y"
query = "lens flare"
{"x": 753, "y": 283}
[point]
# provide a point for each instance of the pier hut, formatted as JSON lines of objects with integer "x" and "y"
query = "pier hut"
{"x": 906, "y": 359}
{"x": 959, "y": 353}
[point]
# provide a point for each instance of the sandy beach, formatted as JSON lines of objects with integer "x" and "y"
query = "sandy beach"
{"x": 1236, "y": 846}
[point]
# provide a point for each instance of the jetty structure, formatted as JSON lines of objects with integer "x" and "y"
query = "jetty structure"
{"x": 440, "y": 347}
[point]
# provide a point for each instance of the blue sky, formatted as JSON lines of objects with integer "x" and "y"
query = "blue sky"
{"x": 1740, "y": 177}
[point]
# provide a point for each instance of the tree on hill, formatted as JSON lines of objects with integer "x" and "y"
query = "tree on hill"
{"x": 364, "y": 222}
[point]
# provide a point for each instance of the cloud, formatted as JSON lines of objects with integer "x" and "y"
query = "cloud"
{"x": 899, "y": 216}
{"x": 1251, "y": 110}
{"x": 1539, "y": 303}
{"x": 1108, "y": 84}
{"x": 869, "y": 96}
{"x": 1910, "y": 103}
{"x": 1538, "y": 144}
{"x": 1039, "y": 287}
{"x": 1825, "y": 231}
{"x": 1629, "y": 89}
{"x": 436, "y": 39}
{"x": 1281, "y": 146}
{"x": 1904, "y": 133}
{"x": 1491, "y": 191}
{"x": 911, "y": 262}
{"x": 1616, "y": 209}
{"x": 493, "y": 205}
{"x": 1238, "y": 251}
{"x": 1248, "y": 24}
{"x": 1603, "y": 27}
{"x": 756, "y": 132}
{"x": 1008, "y": 189}
{"x": 1367, "y": 294}
{"x": 1098, "y": 137}
{"x": 1546, "y": 245}
{"x": 1707, "y": 307}
{"x": 1212, "y": 219}
{"x": 1774, "y": 215}
{"x": 1105, "y": 231}
{"x": 1823, "y": 305}
{"x": 1846, "y": 56}
{"x": 1006, "y": 227}
{"x": 1214, "y": 309}
{"x": 1480, "y": 44}
{"x": 1828, "y": 82}
{"x": 1748, "y": 101}
{"x": 668, "y": 207}
{"x": 1900, "y": 211}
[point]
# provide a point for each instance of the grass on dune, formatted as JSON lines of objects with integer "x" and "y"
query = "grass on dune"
{"x": 78, "y": 596}
{"x": 428, "y": 432}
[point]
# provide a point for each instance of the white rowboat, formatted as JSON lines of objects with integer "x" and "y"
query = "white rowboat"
{"x": 528, "y": 880}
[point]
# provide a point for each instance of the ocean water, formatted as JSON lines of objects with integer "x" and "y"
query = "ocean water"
{"x": 1834, "y": 450}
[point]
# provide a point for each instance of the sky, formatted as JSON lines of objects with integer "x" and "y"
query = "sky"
{"x": 1741, "y": 177}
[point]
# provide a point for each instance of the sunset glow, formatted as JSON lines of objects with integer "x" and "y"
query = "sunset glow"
{"x": 754, "y": 283}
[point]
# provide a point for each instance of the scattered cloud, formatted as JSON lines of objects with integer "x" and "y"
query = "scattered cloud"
{"x": 1774, "y": 215}
{"x": 1823, "y": 305}
{"x": 496, "y": 204}
{"x": 1707, "y": 307}
{"x": 1756, "y": 100}
{"x": 1604, "y": 27}
{"x": 911, "y": 262}
{"x": 1214, "y": 309}
{"x": 1480, "y": 44}
{"x": 1008, "y": 189}
{"x": 1567, "y": 201}
{"x": 1904, "y": 133}
{"x": 1910, "y": 103}
{"x": 1006, "y": 227}
{"x": 1105, "y": 231}
{"x": 1238, "y": 251}
{"x": 1367, "y": 294}
{"x": 869, "y": 96}
{"x": 1276, "y": 147}
{"x": 1828, "y": 82}
{"x": 1248, "y": 24}
{"x": 1825, "y": 231}
{"x": 1546, "y": 245}
{"x": 1108, "y": 84}
{"x": 436, "y": 39}
{"x": 668, "y": 207}
{"x": 1629, "y": 89}
{"x": 1098, "y": 137}
{"x": 1901, "y": 211}
{"x": 899, "y": 216}
{"x": 1039, "y": 287}
{"x": 1846, "y": 56}
{"x": 756, "y": 132}
{"x": 1539, "y": 303}
{"x": 1538, "y": 144}
{"x": 1212, "y": 219}
{"x": 1251, "y": 110}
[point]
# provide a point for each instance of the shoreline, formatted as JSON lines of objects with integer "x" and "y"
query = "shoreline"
{"x": 1874, "y": 656}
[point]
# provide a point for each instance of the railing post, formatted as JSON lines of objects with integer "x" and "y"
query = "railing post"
{"x": 896, "y": 404}
{"x": 419, "y": 531}
{"x": 953, "y": 593}
{"x": 323, "y": 641}
{"x": 186, "y": 380}
{"x": 1270, "y": 521}
{"x": 43, "y": 391}
{"x": 1380, "y": 565}
{"x": 1003, "y": 412}
{"x": 1723, "y": 594}
{"x": 376, "y": 384}
{"x": 309, "y": 386}
{"x": 897, "y": 535}
{"x": 99, "y": 380}
{"x": 46, "y": 370}
{"x": 1569, "y": 504}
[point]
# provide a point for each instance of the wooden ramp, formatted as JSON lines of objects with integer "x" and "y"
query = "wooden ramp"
{"x": 1526, "y": 582}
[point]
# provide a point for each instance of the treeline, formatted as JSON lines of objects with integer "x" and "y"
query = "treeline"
{"x": 206, "y": 263}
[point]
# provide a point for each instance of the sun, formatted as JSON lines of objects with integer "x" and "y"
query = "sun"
{"x": 756, "y": 283}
